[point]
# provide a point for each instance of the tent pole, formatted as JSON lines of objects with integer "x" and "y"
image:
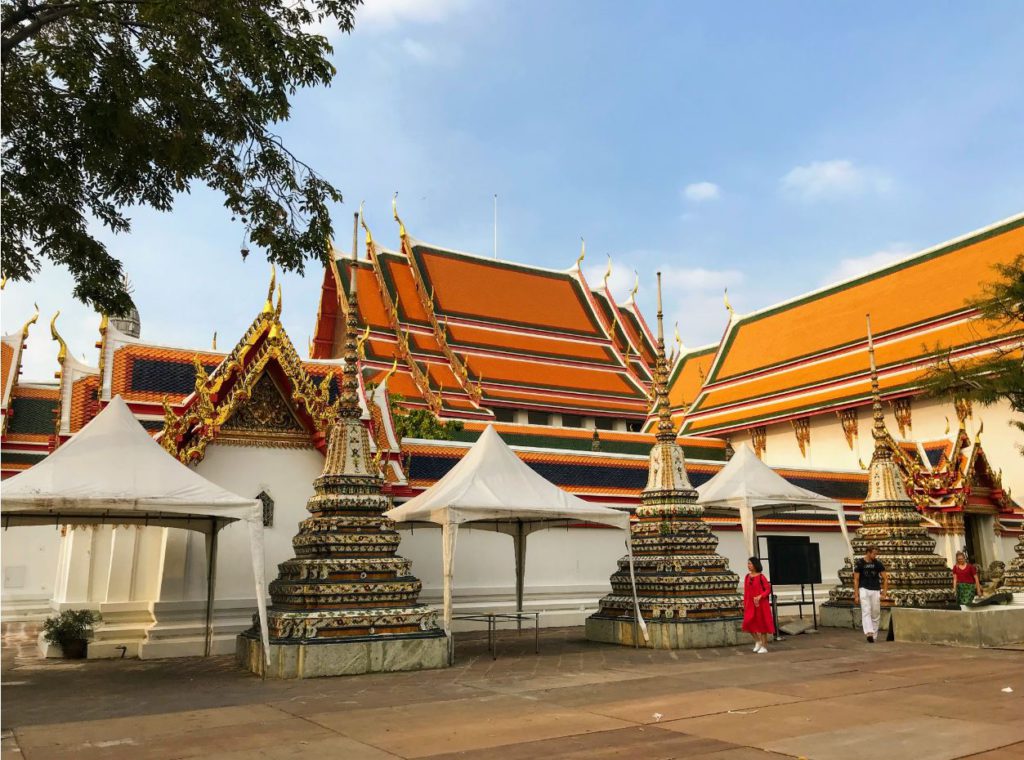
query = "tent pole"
{"x": 520, "y": 549}
{"x": 211, "y": 583}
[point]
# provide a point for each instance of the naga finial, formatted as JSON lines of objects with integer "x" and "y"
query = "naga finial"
{"x": 268, "y": 305}
{"x": 31, "y": 321}
{"x": 394, "y": 212}
{"x": 62, "y": 352}
{"x": 583, "y": 253}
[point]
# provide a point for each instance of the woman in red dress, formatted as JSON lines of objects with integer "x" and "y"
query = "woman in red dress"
{"x": 757, "y": 606}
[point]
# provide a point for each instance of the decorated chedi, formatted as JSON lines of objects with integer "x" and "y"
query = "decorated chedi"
{"x": 685, "y": 594}
{"x": 1013, "y": 578}
{"x": 347, "y": 603}
{"x": 918, "y": 577}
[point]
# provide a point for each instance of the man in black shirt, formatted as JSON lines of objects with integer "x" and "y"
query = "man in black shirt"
{"x": 870, "y": 584}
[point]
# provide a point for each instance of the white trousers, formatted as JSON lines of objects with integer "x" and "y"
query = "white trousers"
{"x": 870, "y": 610}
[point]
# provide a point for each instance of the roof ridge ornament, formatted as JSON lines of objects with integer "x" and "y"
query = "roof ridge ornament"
{"x": 394, "y": 212}
{"x": 728, "y": 306}
{"x": 636, "y": 288}
{"x": 62, "y": 352}
{"x": 366, "y": 229}
{"x": 583, "y": 254}
{"x": 607, "y": 272}
{"x": 268, "y": 304}
{"x": 31, "y": 321}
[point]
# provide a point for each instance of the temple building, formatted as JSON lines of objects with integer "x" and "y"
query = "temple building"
{"x": 566, "y": 375}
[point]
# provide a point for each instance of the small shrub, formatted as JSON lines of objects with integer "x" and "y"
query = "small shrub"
{"x": 70, "y": 626}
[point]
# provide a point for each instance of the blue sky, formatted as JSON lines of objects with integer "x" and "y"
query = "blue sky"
{"x": 770, "y": 148}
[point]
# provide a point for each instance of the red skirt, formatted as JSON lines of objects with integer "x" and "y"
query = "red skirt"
{"x": 757, "y": 618}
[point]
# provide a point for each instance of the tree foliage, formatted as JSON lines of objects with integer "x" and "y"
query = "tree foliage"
{"x": 110, "y": 104}
{"x": 998, "y": 376}
{"x": 420, "y": 423}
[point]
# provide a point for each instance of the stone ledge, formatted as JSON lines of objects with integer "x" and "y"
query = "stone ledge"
{"x": 991, "y": 627}
{"x": 694, "y": 635}
{"x": 344, "y": 658}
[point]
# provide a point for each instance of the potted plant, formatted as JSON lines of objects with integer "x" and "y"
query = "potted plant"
{"x": 71, "y": 631}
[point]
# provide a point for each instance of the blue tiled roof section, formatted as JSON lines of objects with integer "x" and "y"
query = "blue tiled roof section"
{"x": 157, "y": 376}
{"x": 835, "y": 489}
{"x": 934, "y": 454}
{"x": 32, "y": 416}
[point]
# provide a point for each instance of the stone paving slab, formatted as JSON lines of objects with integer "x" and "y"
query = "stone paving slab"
{"x": 575, "y": 699}
{"x": 490, "y": 721}
{"x": 923, "y": 736}
{"x": 650, "y": 743}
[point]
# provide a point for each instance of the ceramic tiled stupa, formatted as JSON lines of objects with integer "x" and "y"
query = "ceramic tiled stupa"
{"x": 918, "y": 577}
{"x": 1013, "y": 579}
{"x": 347, "y": 603}
{"x": 686, "y": 593}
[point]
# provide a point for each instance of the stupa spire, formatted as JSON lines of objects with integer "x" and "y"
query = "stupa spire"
{"x": 686, "y": 593}
{"x": 666, "y": 430}
{"x": 890, "y": 522}
{"x": 347, "y": 603}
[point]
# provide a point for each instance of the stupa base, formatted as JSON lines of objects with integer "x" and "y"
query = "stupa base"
{"x": 682, "y": 635}
{"x": 342, "y": 658}
{"x": 837, "y": 616}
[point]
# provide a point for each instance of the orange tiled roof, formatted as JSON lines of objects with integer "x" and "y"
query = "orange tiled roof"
{"x": 470, "y": 333}
{"x": 809, "y": 355}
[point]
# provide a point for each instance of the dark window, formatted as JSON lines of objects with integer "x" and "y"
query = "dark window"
{"x": 604, "y": 423}
{"x": 572, "y": 420}
{"x": 538, "y": 418}
{"x": 633, "y": 426}
{"x": 504, "y": 415}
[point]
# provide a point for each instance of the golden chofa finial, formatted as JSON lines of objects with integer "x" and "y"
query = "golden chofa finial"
{"x": 728, "y": 306}
{"x": 213, "y": 343}
{"x": 268, "y": 305}
{"x": 583, "y": 253}
{"x": 360, "y": 348}
{"x": 32, "y": 320}
{"x": 3, "y": 282}
{"x": 394, "y": 211}
{"x": 636, "y": 287}
{"x": 608, "y": 272}
{"x": 62, "y": 351}
{"x": 981, "y": 429}
{"x": 366, "y": 229}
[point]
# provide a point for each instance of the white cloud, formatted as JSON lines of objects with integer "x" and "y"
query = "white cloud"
{"x": 702, "y": 191}
{"x": 856, "y": 266}
{"x": 832, "y": 180}
{"x": 387, "y": 14}
{"x": 418, "y": 51}
{"x": 698, "y": 278}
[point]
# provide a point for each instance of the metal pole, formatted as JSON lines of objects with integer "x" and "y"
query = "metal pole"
{"x": 211, "y": 584}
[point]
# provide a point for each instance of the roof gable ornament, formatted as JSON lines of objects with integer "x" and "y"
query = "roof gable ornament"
{"x": 583, "y": 254}
{"x": 220, "y": 394}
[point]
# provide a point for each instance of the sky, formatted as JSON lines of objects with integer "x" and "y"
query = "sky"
{"x": 767, "y": 148}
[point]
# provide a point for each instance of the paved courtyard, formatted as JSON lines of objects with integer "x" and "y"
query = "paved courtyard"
{"x": 830, "y": 696}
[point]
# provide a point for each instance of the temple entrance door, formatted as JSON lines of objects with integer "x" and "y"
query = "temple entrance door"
{"x": 972, "y": 539}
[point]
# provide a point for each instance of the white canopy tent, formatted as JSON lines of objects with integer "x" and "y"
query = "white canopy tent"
{"x": 492, "y": 488}
{"x": 113, "y": 472}
{"x": 749, "y": 487}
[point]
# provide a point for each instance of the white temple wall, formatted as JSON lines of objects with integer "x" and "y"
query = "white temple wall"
{"x": 30, "y": 561}
{"x": 828, "y": 448}
{"x": 287, "y": 475}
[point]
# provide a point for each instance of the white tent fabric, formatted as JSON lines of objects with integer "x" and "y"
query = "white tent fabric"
{"x": 492, "y": 488}
{"x": 112, "y": 471}
{"x": 749, "y": 487}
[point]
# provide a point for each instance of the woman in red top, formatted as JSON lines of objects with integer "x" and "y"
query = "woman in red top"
{"x": 757, "y": 606}
{"x": 965, "y": 580}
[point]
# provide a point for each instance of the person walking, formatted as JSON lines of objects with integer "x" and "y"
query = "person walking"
{"x": 966, "y": 582}
{"x": 757, "y": 606}
{"x": 870, "y": 586}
